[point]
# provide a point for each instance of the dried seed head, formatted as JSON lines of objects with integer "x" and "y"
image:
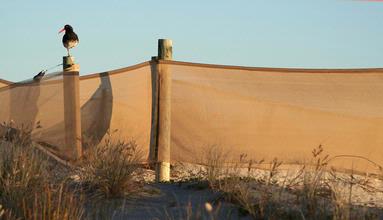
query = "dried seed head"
{"x": 208, "y": 207}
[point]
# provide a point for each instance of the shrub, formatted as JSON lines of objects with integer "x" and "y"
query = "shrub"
{"x": 26, "y": 190}
{"x": 108, "y": 169}
{"x": 54, "y": 203}
{"x": 214, "y": 160}
{"x": 22, "y": 174}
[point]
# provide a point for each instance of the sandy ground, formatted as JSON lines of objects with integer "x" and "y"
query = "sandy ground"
{"x": 182, "y": 196}
{"x": 174, "y": 200}
{"x": 186, "y": 196}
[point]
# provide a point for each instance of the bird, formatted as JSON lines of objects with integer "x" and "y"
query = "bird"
{"x": 70, "y": 38}
{"x": 40, "y": 75}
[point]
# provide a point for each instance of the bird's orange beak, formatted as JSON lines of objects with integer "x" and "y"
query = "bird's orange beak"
{"x": 62, "y": 30}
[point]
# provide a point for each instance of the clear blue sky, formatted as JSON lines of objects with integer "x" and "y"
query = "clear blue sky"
{"x": 114, "y": 34}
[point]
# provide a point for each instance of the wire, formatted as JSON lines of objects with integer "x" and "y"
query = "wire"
{"x": 41, "y": 74}
{"x": 52, "y": 67}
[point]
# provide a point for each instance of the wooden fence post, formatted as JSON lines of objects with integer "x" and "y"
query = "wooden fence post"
{"x": 165, "y": 52}
{"x": 72, "y": 114}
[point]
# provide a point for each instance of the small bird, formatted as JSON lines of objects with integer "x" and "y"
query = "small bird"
{"x": 40, "y": 75}
{"x": 70, "y": 38}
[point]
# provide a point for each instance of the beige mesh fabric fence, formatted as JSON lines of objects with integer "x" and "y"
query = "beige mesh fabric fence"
{"x": 4, "y": 83}
{"x": 116, "y": 104}
{"x": 36, "y": 106}
{"x": 118, "y": 101}
{"x": 282, "y": 113}
{"x": 261, "y": 112}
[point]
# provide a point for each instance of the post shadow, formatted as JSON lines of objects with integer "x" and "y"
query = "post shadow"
{"x": 96, "y": 116}
{"x": 96, "y": 113}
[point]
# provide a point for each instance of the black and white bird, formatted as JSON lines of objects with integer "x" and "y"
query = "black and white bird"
{"x": 40, "y": 75}
{"x": 70, "y": 38}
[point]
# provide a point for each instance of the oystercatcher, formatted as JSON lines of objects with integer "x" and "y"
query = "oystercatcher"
{"x": 70, "y": 38}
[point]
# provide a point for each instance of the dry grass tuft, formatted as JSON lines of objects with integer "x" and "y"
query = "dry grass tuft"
{"x": 22, "y": 174}
{"x": 254, "y": 193}
{"x": 54, "y": 203}
{"x": 310, "y": 192}
{"x": 6, "y": 214}
{"x": 315, "y": 187}
{"x": 214, "y": 160}
{"x": 27, "y": 188}
{"x": 108, "y": 169}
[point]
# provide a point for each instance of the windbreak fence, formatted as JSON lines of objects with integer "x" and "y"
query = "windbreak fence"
{"x": 4, "y": 83}
{"x": 259, "y": 112}
{"x": 35, "y": 107}
{"x": 277, "y": 113}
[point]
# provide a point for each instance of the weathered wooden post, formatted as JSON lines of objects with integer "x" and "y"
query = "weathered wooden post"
{"x": 72, "y": 114}
{"x": 165, "y": 52}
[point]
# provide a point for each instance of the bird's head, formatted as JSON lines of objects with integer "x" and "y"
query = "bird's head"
{"x": 66, "y": 28}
